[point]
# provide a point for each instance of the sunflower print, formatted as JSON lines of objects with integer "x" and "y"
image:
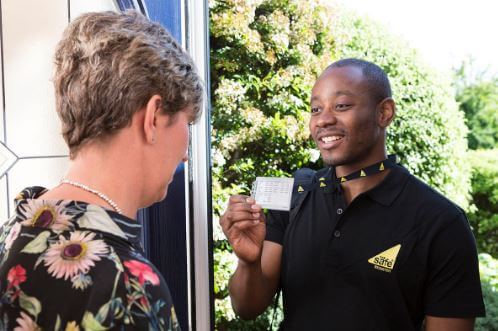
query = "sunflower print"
{"x": 68, "y": 265}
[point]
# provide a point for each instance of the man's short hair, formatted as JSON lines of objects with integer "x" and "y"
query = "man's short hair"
{"x": 107, "y": 67}
{"x": 377, "y": 79}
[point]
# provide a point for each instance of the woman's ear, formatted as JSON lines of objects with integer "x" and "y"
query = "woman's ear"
{"x": 386, "y": 112}
{"x": 152, "y": 110}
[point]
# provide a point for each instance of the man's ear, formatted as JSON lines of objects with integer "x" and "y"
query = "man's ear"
{"x": 152, "y": 110}
{"x": 386, "y": 112}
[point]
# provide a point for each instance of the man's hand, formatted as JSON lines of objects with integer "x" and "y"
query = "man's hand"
{"x": 244, "y": 225}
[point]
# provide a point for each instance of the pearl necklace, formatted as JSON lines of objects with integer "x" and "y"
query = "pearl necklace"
{"x": 97, "y": 193}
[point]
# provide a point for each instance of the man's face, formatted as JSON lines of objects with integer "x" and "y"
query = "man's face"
{"x": 343, "y": 118}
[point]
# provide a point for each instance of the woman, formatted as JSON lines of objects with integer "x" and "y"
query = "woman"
{"x": 70, "y": 258}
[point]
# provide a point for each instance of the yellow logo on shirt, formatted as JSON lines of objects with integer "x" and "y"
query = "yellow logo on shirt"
{"x": 385, "y": 261}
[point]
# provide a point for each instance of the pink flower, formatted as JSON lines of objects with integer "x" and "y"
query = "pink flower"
{"x": 25, "y": 323}
{"x": 16, "y": 275}
{"x": 46, "y": 214}
{"x": 67, "y": 258}
{"x": 142, "y": 271}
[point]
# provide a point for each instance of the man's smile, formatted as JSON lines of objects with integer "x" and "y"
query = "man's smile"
{"x": 329, "y": 140}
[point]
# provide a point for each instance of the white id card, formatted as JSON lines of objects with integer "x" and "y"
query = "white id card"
{"x": 273, "y": 192}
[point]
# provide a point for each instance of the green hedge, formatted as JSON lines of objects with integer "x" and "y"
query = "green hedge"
{"x": 265, "y": 56}
{"x": 489, "y": 278}
{"x": 484, "y": 215}
{"x": 478, "y": 98}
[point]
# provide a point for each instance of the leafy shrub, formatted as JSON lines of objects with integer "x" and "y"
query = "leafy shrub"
{"x": 484, "y": 216}
{"x": 265, "y": 57}
{"x": 489, "y": 279}
{"x": 478, "y": 99}
{"x": 490, "y": 322}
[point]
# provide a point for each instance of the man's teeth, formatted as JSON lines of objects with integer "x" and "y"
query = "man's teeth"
{"x": 330, "y": 139}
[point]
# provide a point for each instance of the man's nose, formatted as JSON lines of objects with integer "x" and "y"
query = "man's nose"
{"x": 326, "y": 117}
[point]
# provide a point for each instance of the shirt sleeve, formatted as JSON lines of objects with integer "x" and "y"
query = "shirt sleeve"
{"x": 453, "y": 287}
{"x": 276, "y": 223}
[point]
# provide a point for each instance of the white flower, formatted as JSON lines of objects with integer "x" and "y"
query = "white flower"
{"x": 314, "y": 154}
{"x": 66, "y": 258}
{"x": 25, "y": 323}
{"x": 81, "y": 281}
{"x": 13, "y": 234}
{"x": 217, "y": 157}
{"x": 46, "y": 214}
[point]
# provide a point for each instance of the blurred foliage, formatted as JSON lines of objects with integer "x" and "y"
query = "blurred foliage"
{"x": 489, "y": 279}
{"x": 265, "y": 57}
{"x": 477, "y": 94}
{"x": 478, "y": 98}
{"x": 484, "y": 216}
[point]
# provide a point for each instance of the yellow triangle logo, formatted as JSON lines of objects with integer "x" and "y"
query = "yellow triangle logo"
{"x": 363, "y": 174}
{"x": 381, "y": 168}
{"x": 300, "y": 188}
{"x": 322, "y": 178}
{"x": 322, "y": 184}
{"x": 343, "y": 179}
{"x": 385, "y": 260}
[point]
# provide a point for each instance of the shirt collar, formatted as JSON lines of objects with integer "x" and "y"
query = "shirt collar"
{"x": 388, "y": 190}
{"x": 385, "y": 193}
{"x": 75, "y": 214}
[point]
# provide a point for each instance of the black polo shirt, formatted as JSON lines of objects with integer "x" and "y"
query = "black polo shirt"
{"x": 395, "y": 254}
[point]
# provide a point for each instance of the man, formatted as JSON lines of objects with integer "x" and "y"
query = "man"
{"x": 369, "y": 246}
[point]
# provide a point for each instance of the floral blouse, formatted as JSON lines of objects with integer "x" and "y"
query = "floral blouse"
{"x": 68, "y": 265}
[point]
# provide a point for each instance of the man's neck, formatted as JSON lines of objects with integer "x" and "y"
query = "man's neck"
{"x": 358, "y": 186}
{"x": 353, "y": 188}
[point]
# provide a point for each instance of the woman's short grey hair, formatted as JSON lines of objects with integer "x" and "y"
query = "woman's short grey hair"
{"x": 107, "y": 67}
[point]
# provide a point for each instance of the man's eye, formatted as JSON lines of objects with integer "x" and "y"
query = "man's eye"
{"x": 342, "y": 106}
{"x": 315, "y": 110}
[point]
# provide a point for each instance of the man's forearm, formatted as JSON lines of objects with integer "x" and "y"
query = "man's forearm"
{"x": 251, "y": 292}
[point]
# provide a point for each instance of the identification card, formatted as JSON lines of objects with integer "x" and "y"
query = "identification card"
{"x": 273, "y": 192}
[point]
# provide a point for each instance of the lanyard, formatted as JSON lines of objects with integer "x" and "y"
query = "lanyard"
{"x": 373, "y": 169}
{"x": 370, "y": 170}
